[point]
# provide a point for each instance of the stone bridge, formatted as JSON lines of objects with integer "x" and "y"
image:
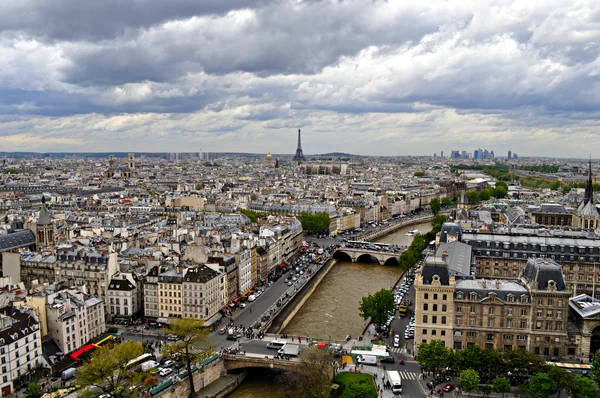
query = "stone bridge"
{"x": 233, "y": 362}
{"x": 366, "y": 255}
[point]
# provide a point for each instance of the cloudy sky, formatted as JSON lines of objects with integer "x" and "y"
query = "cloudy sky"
{"x": 361, "y": 76}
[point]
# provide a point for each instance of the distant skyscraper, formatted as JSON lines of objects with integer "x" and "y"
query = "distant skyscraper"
{"x": 442, "y": 154}
{"x": 509, "y": 155}
{"x": 299, "y": 155}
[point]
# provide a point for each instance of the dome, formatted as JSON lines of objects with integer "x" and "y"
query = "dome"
{"x": 269, "y": 156}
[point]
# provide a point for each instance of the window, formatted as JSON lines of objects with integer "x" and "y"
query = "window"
{"x": 435, "y": 307}
{"x": 433, "y": 332}
{"x": 443, "y": 320}
{"x": 443, "y": 332}
{"x": 434, "y": 319}
{"x": 470, "y": 334}
{"x": 444, "y": 307}
{"x": 445, "y": 297}
{"x": 472, "y": 309}
{"x": 509, "y": 323}
{"x": 523, "y": 324}
{"x": 491, "y": 311}
{"x": 523, "y": 311}
{"x": 458, "y": 321}
{"x": 459, "y": 308}
{"x": 489, "y": 337}
{"x": 491, "y": 322}
{"x": 424, "y": 318}
{"x": 425, "y": 307}
{"x": 509, "y": 311}
{"x": 435, "y": 296}
{"x": 424, "y": 332}
{"x": 425, "y": 296}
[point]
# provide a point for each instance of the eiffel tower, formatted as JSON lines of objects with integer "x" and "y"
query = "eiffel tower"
{"x": 299, "y": 155}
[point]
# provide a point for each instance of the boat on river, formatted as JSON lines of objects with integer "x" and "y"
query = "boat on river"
{"x": 412, "y": 232}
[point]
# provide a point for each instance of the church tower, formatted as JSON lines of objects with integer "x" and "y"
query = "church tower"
{"x": 132, "y": 164}
{"x": 44, "y": 229}
{"x": 587, "y": 215}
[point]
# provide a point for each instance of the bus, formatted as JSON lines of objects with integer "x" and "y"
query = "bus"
{"x": 358, "y": 242}
{"x": 382, "y": 245}
{"x": 140, "y": 360}
{"x": 403, "y": 310}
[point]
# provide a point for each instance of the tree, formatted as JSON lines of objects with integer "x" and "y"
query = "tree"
{"x": 585, "y": 388}
{"x": 33, "y": 390}
{"x": 563, "y": 380}
{"x": 468, "y": 380}
{"x": 500, "y": 192}
{"x": 107, "y": 370}
{"x": 540, "y": 385}
{"x": 433, "y": 355}
{"x": 379, "y": 307}
{"x": 501, "y": 385}
{"x": 312, "y": 376}
{"x": 492, "y": 363}
{"x": 596, "y": 366}
{"x": 435, "y": 205}
{"x": 446, "y": 201}
{"x": 419, "y": 174}
{"x": 473, "y": 197}
{"x": 317, "y": 223}
{"x": 469, "y": 358}
{"x": 361, "y": 389}
{"x": 192, "y": 344}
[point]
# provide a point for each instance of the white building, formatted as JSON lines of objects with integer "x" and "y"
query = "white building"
{"x": 20, "y": 348}
{"x": 244, "y": 259}
{"x": 201, "y": 293}
{"x": 122, "y": 296}
{"x": 96, "y": 317}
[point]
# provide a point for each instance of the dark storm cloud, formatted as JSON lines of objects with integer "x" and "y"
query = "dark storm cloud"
{"x": 76, "y": 20}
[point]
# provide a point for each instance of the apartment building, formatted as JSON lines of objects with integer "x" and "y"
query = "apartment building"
{"x": 151, "y": 302}
{"x": 20, "y": 347}
{"x": 170, "y": 294}
{"x": 201, "y": 293}
{"x": 244, "y": 260}
{"x": 530, "y": 312}
{"x": 123, "y": 300}
{"x": 96, "y": 317}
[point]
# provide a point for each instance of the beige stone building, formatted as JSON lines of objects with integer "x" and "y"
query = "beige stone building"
{"x": 529, "y": 313}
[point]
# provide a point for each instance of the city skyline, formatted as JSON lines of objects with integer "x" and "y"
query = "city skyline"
{"x": 367, "y": 78}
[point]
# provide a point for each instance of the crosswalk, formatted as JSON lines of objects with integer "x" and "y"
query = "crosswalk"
{"x": 398, "y": 350}
{"x": 409, "y": 375}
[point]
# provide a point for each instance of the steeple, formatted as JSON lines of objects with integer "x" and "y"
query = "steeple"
{"x": 589, "y": 190}
{"x": 299, "y": 155}
{"x": 44, "y": 228}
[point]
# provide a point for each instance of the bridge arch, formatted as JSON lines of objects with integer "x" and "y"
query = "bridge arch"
{"x": 392, "y": 261}
{"x": 343, "y": 256}
{"x": 244, "y": 362}
{"x": 367, "y": 258}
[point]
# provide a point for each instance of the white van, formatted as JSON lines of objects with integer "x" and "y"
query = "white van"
{"x": 395, "y": 381}
{"x": 276, "y": 344}
{"x": 367, "y": 359}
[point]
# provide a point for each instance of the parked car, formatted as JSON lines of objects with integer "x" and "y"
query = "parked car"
{"x": 388, "y": 359}
{"x": 168, "y": 363}
{"x": 165, "y": 371}
{"x": 448, "y": 387}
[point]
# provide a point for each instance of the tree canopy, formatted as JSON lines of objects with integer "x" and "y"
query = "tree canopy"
{"x": 585, "y": 388}
{"x": 192, "y": 344}
{"x": 501, "y": 385}
{"x": 435, "y": 205}
{"x": 316, "y": 223}
{"x": 312, "y": 377}
{"x": 540, "y": 385}
{"x": 379, "y": 307}
{"x": 433, "y": 355}
{"x": 468, "y": 380}
{"x": 107, "y": 370}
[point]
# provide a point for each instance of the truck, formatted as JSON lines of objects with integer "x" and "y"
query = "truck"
{"x": 146, "y": 366}
{"x": 68, "y": 374}
{"x": 290, "y": 349}
{"x": 395, "y": 381}
{"x": 251, "y": 298}
{"x": 367, "y": 359}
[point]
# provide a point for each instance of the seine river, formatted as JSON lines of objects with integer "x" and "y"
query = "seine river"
{"x": 332, "y": 310}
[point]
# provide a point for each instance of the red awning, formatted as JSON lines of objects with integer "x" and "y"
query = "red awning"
{"x": 75, "y": 355}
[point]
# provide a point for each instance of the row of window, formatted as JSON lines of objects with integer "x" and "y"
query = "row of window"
{"x": 492, "y": 310}
{"x": 435, "y": 296}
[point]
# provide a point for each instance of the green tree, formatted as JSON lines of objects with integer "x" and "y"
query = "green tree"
{"x": 596, "y": 366}
{"x": 312, "y": 376}
{"x": 33, "y": 390}
{"x": 585, "y": 388}
{"x": 435, "y": 205}
{"x": 379, "y": 307}
{"x": 316, "y": 223}
{"x": 469, "y": 358}
{"x": 419, "y": 174}
{"x": 192, "y": 344}
{"x": 525, "y": 361}
{"x": 500, "y": 192}
{"x": 563, "y": 380}
{"x": 473, "y": 197}
{"x": 446, "y": 201}
{"x": 486, "y": 193}
{"x": 492, "y": 363}
{"x": 361, "y": 389}
{"x": 468, "y": 380}
{"x": 540, "y": 385}
{"x": 107, "y": 370}
{"x": 434, "y": 355}
{"x": 501, "y": 385}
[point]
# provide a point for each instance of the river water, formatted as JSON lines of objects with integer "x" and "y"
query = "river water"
{"x": 332, "y": 310}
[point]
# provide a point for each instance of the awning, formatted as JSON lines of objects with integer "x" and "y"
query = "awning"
{"x": 162, "y": 320}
